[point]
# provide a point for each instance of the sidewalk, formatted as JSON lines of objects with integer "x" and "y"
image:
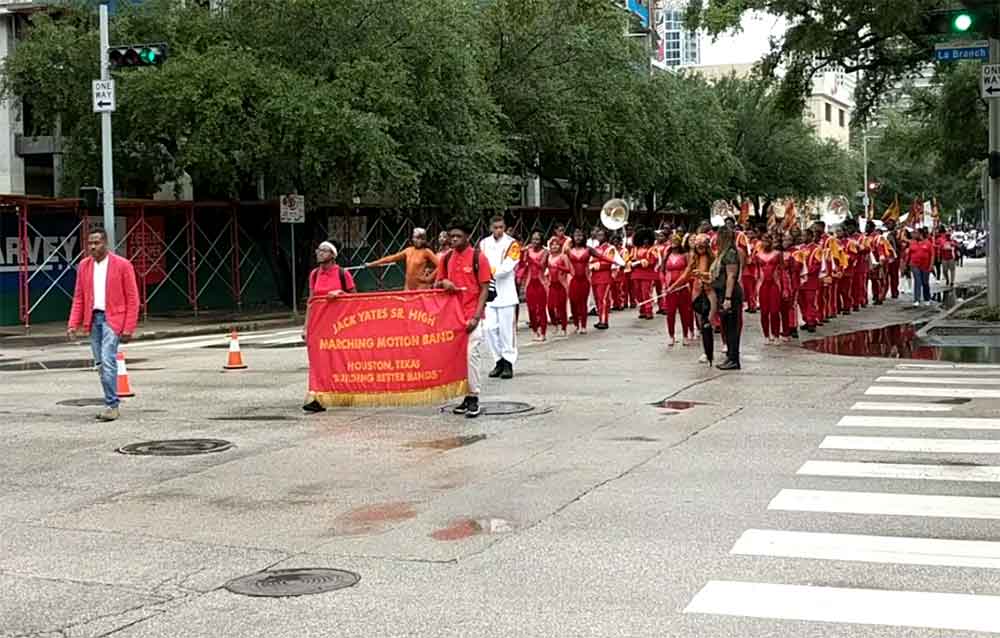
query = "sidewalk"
{"x": 209, "y": 322}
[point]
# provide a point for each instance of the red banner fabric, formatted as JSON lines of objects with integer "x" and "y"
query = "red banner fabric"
{"x": 387, "y": 348}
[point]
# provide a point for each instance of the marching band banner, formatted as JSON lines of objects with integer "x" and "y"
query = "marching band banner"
{"x": 386, "y": 348}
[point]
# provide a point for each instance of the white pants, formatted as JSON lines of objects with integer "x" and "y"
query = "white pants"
{"x": 499, "y": 326}
{"x": 475, "y": 360}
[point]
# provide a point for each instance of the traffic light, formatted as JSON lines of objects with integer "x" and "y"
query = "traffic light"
{"x": 979, "y": 21}
{"x": 137, "y": 55}
{"x": 90, "y": 198}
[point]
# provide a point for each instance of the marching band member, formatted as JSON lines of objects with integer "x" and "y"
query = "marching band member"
{"x": 535, "y": 265}
{"x": 791, "y": 281}
{"x": 644, "y": 271}
{"x": 601, "y": 277}
{"x": 504, "y": 255}
{"x": 811, "y": 287}
{"x": 560, "y": 269}
{"x": 420, "y": 262}
{"x": 767, "y": 262}
{"x": 672, "y": 267}
{"x": 748, "y": 243}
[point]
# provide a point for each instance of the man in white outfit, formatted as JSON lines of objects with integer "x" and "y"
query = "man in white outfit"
{"x": 504, "y": 254}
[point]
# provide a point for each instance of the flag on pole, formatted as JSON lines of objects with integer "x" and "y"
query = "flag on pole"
{"x": 891, "y": 213}
{"x": 791, "y": 215}
{"x": 744, "y": 213}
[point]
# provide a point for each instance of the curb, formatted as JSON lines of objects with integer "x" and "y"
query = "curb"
{"x": 152, "y": 335}
{"x": 927, "y": 327}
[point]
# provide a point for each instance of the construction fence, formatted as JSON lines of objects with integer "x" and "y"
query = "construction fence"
{"x": 194, "y": 257}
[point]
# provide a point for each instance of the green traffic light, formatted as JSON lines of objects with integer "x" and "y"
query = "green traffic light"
{"x": 962, "y": 22}
{"x": 149, "y": 55}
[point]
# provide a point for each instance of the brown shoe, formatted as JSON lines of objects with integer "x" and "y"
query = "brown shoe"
{"x": 110, "y": 414}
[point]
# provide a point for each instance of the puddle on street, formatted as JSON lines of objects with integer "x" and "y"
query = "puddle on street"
{"x": 372, "y": 518}
{"x": 449, "y": 443}
{"x": 54, "y": 364}
{"x": 901, "y": 342}
{"x": 468, "y": 527}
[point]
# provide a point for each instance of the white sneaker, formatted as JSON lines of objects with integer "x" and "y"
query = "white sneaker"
{"x": 916, "y": 304}
{"x": 703, "y": 358}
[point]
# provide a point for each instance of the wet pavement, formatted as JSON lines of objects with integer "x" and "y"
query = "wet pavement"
{"x": 593, "y": 514}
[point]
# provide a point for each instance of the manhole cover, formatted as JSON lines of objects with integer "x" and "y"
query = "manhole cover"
{"x": 256, "y": 417}
{"x": 176, "y": 447}
{"x": 79, "y": 403}
{"x": 293, "y": 582}
{"x": 499, "y": 408}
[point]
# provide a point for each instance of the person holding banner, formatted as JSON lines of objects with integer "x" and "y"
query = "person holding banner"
{"x": 327, "y": 280}
{"x": 504, "y": 254}
{"x": 421, "y": 262}
{"x": 465, "y": 271}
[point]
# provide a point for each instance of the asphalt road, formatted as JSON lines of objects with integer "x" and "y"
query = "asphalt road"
{"x": 790, "y": 500}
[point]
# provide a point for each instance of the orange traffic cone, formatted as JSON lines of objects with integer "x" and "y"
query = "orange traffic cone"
{"x": 124, "y": 387}
{"x": 235, "y": 361}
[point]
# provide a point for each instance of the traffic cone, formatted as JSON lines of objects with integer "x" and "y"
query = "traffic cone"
{"x": 235, "y": 361}
{"x": 124, "y": 387}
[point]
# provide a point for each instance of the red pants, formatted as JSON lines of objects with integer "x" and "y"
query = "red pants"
{"x": 845, "y": 291}
{"x": 789, "y": 315}
{"x": 535, "y": 297}
{"x": 618, "y": 292}
{"x": 579, "y": 294}
{"x": 770, "y": 309}
{"x": 808, "y": 304}
{"x": 630, "y": 297}
{"x": 557, "y": 305}
{"x": 749, "y": 284}
{"x": 644, "y": 290}
{"x": 892, "y": 272}
{"x": 676, "y": 302}
{"x": 602, "y": 297}
{"x": 879, "y": 284}
{"x": 824, "y": 302}
{"x": 860, "y": 296}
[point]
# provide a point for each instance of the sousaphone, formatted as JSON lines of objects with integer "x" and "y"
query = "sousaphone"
{"x": 614, "y": 214}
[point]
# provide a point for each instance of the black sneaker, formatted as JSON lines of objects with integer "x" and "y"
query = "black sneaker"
{"x": 463, "y": 407}
{"x": 472, "y": 410}
{"x": 507, "y": 372}
{"x": 601, "y": 326}
{"x": 498, "y": 370}
{"x": 728, "y": 365}
{"x": 794, "y": 334}
{"x": 313, "y": 406}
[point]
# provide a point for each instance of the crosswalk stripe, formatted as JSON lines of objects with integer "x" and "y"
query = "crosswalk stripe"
{"x": 869, "y": 549}
{"x": 900, "y": 444}
{"x": 911, "y": 471}
{"x": 976, "y": 366}
{"x": 886, "y": 504}
{"x": 941, "y": 380}
{"x": 920, "y": 422}
{"x": 946, "y": 372}
{"x": 931, "y": 610}
{"x": 910, "y": 391}
{"x": 900, "y": 407}
{"x": 181, "y": 343}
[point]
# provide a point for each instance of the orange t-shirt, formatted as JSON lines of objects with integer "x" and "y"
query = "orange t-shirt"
{"x": 421, "y": 264}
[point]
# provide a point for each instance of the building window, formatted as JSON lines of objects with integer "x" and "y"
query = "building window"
{"x": 829, "y": 113}
{"x": 843, "y": 118}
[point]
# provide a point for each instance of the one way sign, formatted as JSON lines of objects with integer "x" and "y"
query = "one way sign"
{"x": 990, "y": 85}
{"x": 104, "y": 96}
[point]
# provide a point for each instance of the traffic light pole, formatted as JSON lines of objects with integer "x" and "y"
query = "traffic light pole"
{"x": 107, "y": 181}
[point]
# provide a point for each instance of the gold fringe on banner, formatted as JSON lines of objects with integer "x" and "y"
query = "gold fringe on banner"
{"x": 390, "y": 399}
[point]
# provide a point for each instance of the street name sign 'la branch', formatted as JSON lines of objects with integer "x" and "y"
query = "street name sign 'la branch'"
{"x": 990, "y": 85}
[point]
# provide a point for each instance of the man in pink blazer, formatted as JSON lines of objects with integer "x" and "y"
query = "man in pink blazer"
{"x": 105, "y": 303}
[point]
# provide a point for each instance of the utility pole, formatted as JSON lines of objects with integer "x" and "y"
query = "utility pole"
{"x": 993, "y": 208}
{"x": 864, "y": 146}
{"x": 107, "y": 169}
